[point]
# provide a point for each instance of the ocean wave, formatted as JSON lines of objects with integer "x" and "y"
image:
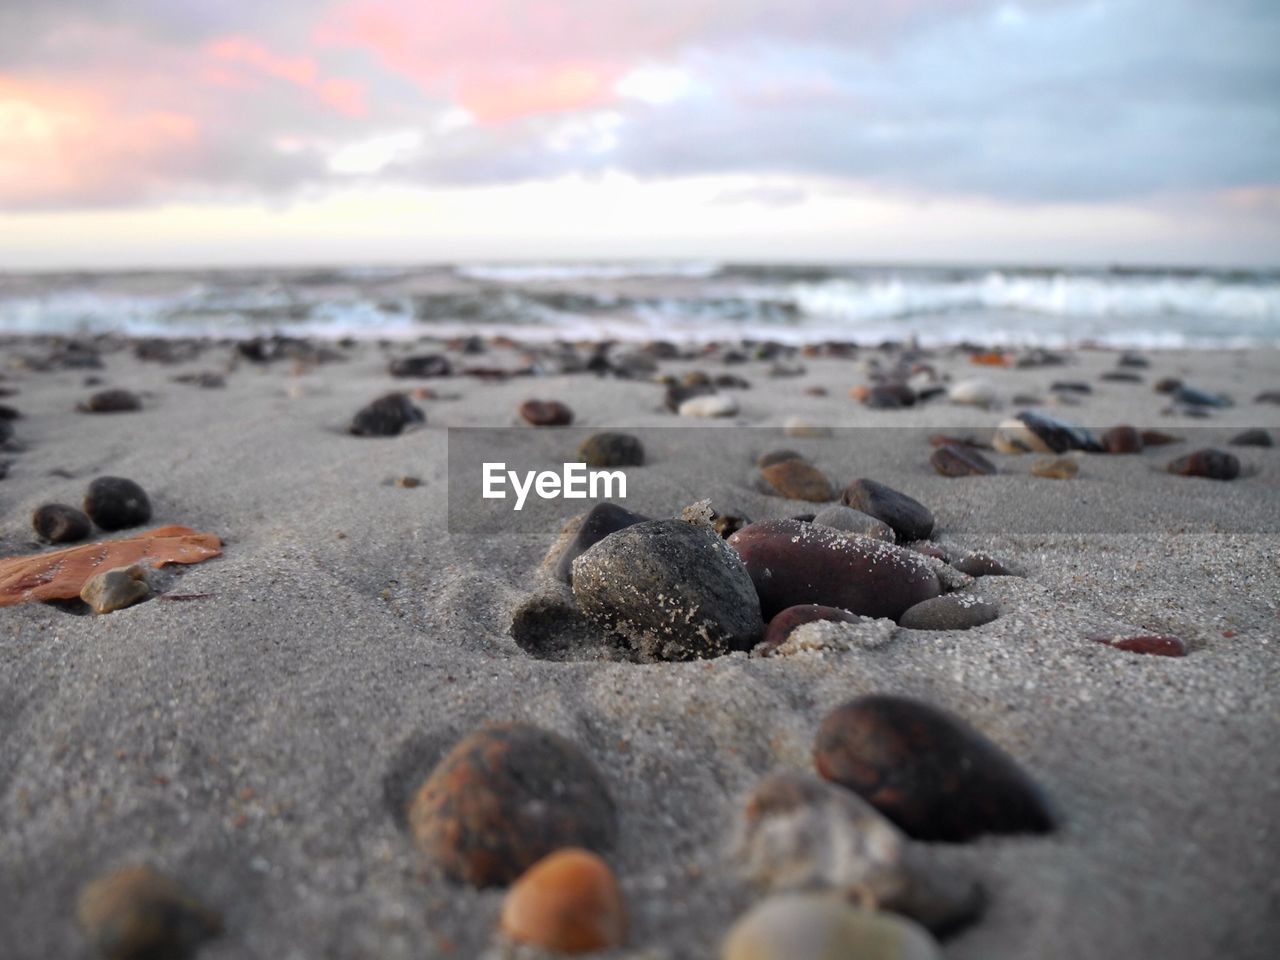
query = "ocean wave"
{"x": 543, "y": 272}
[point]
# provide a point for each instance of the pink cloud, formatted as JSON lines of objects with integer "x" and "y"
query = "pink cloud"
{"x": 238, "y": 61}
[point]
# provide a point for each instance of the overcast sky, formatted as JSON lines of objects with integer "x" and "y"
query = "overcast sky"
{"x": 139, "y": 132}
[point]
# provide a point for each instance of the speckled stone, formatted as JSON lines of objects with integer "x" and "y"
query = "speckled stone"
{"x": 1161, "y": 645}
{"x": 1208, "y": 463}
{"x": 505, "y": 797}
{"x": 909, "y": 518}
{"x": 113, "y": 590}
{"x": 955, "y": 461}
{"x": 569, "y": 902}
{"x": 794, "y": 563}
{"x": 849, "y": 520}
{"x": 137, "y": 913}
{"x": 675, "y": 589}
{"x": 952, "y": 611}
{"x": 545, "y": 413}
{"x": 798, "y": 480}
{"x": 59, "y": 523}
{"x": 386, "y": 417}
{"x": 824, "y": 926}
{"x": 612, "y": 450}
{"x": 116, "y": 503}
{"x": 600, "y": 521}
{"x": 927, "y": 770}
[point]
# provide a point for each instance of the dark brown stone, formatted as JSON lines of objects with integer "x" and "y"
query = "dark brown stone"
{"x": 612, "y": 450}
{"x": 780, "y": 626}
{"x": 138, "y": 914}
{"x": 1123, "y": 439}
{"x": 116, "y": 503}
{"x": 953, "y": 461}
{"x": 506, "y": 796}
{"x": 798, "y": 480}
{"x": 602, "y": 520}
{"x": 910, "y": 519}
{"x": 546, "y": 413}
{"x": 793, "y": 563}
{"x": 1209, "y": 463}
{"x": 928, "y": 771}
{"x": 1256, "y": 437}
{"x": 422, "y": 365}
{"x": 59, "y": 523}
{"x": 944, "y": 440}
{"x": 1157, "y": 438}
{"x": 771, "y": 457}
{"x": 111, "y": 401}
{"x": 386, "y": 417}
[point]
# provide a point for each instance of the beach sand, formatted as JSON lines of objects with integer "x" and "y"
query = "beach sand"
{"x": 260, "y": 744}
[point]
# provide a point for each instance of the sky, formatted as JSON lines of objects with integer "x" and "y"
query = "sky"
{"x": 193, "y": 132}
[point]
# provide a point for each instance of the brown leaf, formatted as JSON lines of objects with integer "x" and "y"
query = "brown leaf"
{"x": 61, "y": 574}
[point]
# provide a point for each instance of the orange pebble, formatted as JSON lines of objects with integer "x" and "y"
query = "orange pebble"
{"x": 992, "y": 359}
{"x": 859, "y": 393}
{"x": 569, "y": 902}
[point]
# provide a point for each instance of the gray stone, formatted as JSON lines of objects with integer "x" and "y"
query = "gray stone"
{"x": 116, "y": 589}
{"x": 952, "y": 611}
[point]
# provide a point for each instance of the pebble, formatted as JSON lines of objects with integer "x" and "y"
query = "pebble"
{"x": 1256, "y": 437}
{"x": 1161, "y": 645}
{"x": 980, "y": 564}
{"x": 568, "y": 902}
{"x": 1268, "y": 396}
{"x": 675, "y": 589}
{"x": 1133, "y": 360}
{"x": 711, "y": 405}
{"x": 386, "y": 417}
{"x": 1121, "y": 376}
{"x": 612, "y": 450}
{"x": 1199, "y": 398}
{"x": 849, "y": 520}
{"x": 59, "y": 523}
{"x": 888, "y": 396}
{"x": 800, "y": 428}
{"x": 1070, "y": 386}
{"x": 793, "y": 563}
{"x": 678, "y": 393}
{"x": 545, "y": 413}
{"x": 1123, "y": 439}
{"x": 116, "y": 503}
{"x": 973, "y": 393}
{"x": 506, "y": 796}
{"x": 1157, "y": 438}
{"x": 927, "y": 770}
{"x": 600, "y": 521}
{"x": 113, "y": 590}
{"x": 798, "y": 480}
{"x": 1209, "y": 463}
{"x": 909, "y": 518}
{"x": 136, "y": 913}
{"x": 422, "y": 365}
{"x": 952, "y": 611}
{"x": 770, "y": 457}
{"x": 796, "y": 831}
{"x": 1056, "y": 468}
{"x": 823, "y": 926}
{"x": 1033, "y": 432}
{"x": 953, "y": 461}
{"x": 785, "y": 621}
{"x": 111, "y": 401}
{"x": 943, "y": 440}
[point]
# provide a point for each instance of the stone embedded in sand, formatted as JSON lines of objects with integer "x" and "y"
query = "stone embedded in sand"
{"x": 62, "y": 574}
{"x": 116, "y": 503}
{"x": 569, "y": 902}
{"x": 909, "y": 518}
{"x": 980, "y": 564}
{"x": 506, "y": 796}
{"x": 612, "y": 450}
{"x": 801, "y": 428}
{"x": 1121, "y": 376}
{"x": 1123, "y": 439}
{"x": 602, "y": 520}
{"x": 59, "y": 523}
{"x": 824, "y": 926}
{"x": 545, "y": 413}
{"x": 888, "y": 396}
{"x": 1034, "y": 432}
{"x": 973, "y": 393}
{"x": 1268, "y": 396}
{"x": 1161, "y": 645}
{"x": 1209, "y": 463}
{"x": 953, "y": 461}
{"x": 798, "y": 480}
{"x": 111, "y": 401}
{"x": 770, "y": 457}
{"x": 793, "y": 563}
{"x": 1070, "y": 386}
{"x": 796, "y": 831}
{"x": 136, "y": 913}
{"x": 952, "y": 611}
{"x": 1132, "y": 360}
{"x": 711, "y": 405}
{"x": 421, "y": 365}
{"x": 943, "y": 439}
{"x": 677, "y": 393}
{"x": 113, "y": 590}
{"x": 386, "y": 417}
{"x": 928, "y": 771}
{"x": 1157, "y": 438}
{"x": 674, "y": 589}
{"x": 849, "y": 520}
{"x": 1056, "y": 468}
{"x": 1199, "y": 398}
{"x": 784, "y": 622}
{"x": 1256, "y": 437}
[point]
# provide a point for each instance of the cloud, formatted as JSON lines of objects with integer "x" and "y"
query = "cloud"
{"x": 122, "y": 102}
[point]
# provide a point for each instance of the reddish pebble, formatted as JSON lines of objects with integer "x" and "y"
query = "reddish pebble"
{"x": 798, "y": 480}
{"x": 546, "y": 413}
{"x": 1158, "y": 644}
{"x": 1122, "y": 440}
{"x": 1208, "y": 463}
{"x": 954, "y": 461}
{"x": 780, "y": 627}
{"x": 568, "y": 902}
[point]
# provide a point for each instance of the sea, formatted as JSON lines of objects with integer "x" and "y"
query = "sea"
{"x": 679, "y": 301}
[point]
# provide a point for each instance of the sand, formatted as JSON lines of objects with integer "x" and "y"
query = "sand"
{"x": 260, "y": 744}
